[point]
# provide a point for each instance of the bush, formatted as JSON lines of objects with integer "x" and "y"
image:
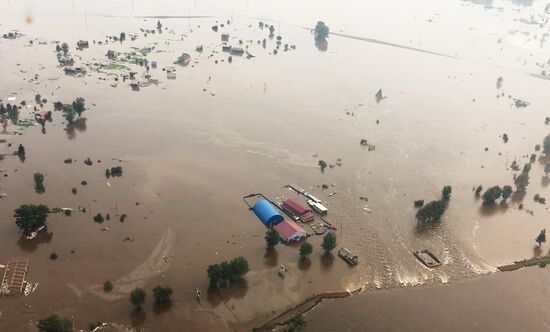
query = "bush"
{"x": 31, "y": 217}
{"x": 431, "y": 212}
{"x": 53, "y": 256}
{"x": 107, "y": 286}
{"x": 54, "y": 323}
{"x": 479, "y": 189}
{"x": 546, "y": 144}
{"x": 522, "y": 181}
{"x": 329, "y": 242}
{"x": 162, "y": 294}
{"x": 506, "y": 192}
{"x": 306, "y": 249}
{"x": 446, "y": 192}
{"x": 137, "y": 298}
{"x": 419, "y": 203}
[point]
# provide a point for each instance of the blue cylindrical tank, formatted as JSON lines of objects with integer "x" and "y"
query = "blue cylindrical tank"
{"x": 267, "y": 213}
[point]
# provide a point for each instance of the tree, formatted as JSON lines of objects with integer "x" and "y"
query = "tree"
{"x": 547, "y": 169}
{"x": 214, "y": 274}
{"x": 446, "y": 193}
{"x": 305, "y": 249}
{"x": 238, "y": 268}
{"x": 323, "y": 164}
{"x": 137, "y": 297}
{"x": 68, "y": 113}
{"x": 329, "y": 242}
{"x": 39, "y": 182}
{"x": 506, "y": 192}
{"x": 521, "y": 181}
{"x": 491, "y": 195}
{"x": 479, "y": 189}
{"x": 321, "y": 30}
{"x": 30, "y": 217}
{"x": 99, "y": 218}
{"x": 162, "y": 294}
{"x": 54, "y": 323}
{"x": 542, "y": 237}
{"x": 79, "y": 106}
{"x": 431, "y": 212}
{"x": 107, "y": 286}
{"x": 546, "y": 144}
{"x": 65, "y": 48}
{"x": 271, "y": 238}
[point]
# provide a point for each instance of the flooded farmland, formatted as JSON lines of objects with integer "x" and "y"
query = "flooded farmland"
{"x": 194, "y": 138}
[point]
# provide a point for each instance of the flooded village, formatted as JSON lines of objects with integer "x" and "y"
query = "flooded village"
{"x": 250, "y": 165}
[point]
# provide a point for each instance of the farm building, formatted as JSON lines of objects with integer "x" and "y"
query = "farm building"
{"x": 267, "y": 212}
{"x": 290, "y": 231}
{"x": 297, "y": 211}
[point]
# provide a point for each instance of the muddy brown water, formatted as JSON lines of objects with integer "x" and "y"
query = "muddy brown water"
{"x": 190, "y": 155}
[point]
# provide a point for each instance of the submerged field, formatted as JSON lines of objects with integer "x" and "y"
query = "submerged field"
{"x": 192, "y": 145}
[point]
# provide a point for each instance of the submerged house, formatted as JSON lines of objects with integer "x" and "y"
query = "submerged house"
{"x": 290, "y": 231}
{"x": 297, "y": 211}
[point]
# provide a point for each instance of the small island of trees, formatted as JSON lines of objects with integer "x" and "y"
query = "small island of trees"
{"x": 229, "y": 271}
{"x": 30, "y": 217}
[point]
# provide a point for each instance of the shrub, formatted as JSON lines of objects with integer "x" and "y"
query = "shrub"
{"x": 329, "y": 242}
{"x": 107, "y": 286}
{"x": 306, "y": 249}
{"x": 431, "y": 212}
{"x": 54, "y": 323}
{"x": 162, "y": 294}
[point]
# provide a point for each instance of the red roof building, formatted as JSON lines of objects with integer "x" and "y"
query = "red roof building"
{"x": 290, "y": 231}
{"x": 297, "y": 211}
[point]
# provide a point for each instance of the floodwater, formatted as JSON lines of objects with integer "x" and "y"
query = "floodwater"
{"x": 191, "y": 147}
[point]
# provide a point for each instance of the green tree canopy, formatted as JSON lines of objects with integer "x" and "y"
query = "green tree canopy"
{"x": 491, "y": 195}
{"x": 137, "y": 297}
{"x": 541, "y": 238}
{"x": 506, "y": 192}
{"x": 79, "y": 106}
{"x": 306, "y": 249}
{"x": 30, "y": 217}
{"x": 431, "y": 212}
{"x": 546, "y": 144}
{"x": 321, "y": 30}
{"x": 446, "y": 192}
{"x": 220, "y": 274}
{"x": 547, "y": 168}
{"x": 54, "y": 323}
{"x": 162, "y": 294}
{"x": 329, "y": 242}
{"x": 522, "y": 181}
{"x": 271, "y": 238}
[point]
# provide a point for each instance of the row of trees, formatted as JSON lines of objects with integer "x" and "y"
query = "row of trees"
{"x": 229, "y": 271}
{"x": 11, "y": 111}
{"x": 433, "y": 211}
{"x": 329, "y": 242}
{"x": 162, "y": 294}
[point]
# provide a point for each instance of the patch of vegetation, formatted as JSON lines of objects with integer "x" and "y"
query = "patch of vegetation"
{"x": 54, "y": 323}
{"x": 546, "y": 144}
{"x": 321, "y": 30}
{"x": 491, "y": 195}
{"x": 297, "y": 322}
{"x": 53, "y": 256}
{"x": 30, "y": 217}
{"x": 323, "y": 164}
{"x": 541, "y": 238}
{"x": 39, "y": 182}
{"x": 271, "y": 238}
{"x": 107, "y": 286}
{"x": 446, "y": 193}
{"x": 431, "y": 212}
{"x": 305, "y": 249}
{"x": 478, "y": 190}
{"x": 112, "y": 66}
{"x": 220, "y": 274}
{"x": 329, "y": 242}
{"x": 162, "y": 294}
{"x": 137, "y": 298}
{"x": 419, "y": 203}
{"x": 99, "y": 218}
